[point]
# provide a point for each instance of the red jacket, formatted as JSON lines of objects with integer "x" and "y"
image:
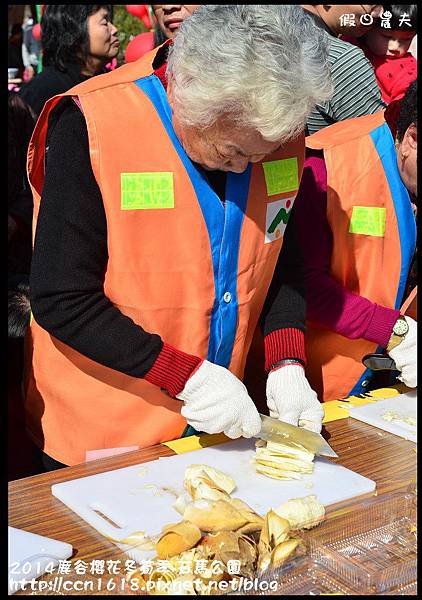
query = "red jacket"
{"x": 394, "y": 74}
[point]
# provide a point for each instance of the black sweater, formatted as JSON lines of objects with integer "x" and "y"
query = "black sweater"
{"x": 70, "y": 259}
{"x": 48, "y": 83}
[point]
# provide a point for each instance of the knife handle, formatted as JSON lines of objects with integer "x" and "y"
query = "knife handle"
{"x": 379, "y": 362}
{"x": 189, "y": 430}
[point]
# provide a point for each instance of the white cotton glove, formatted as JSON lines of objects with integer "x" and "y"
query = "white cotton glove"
{"x": 405, "y": 355}
{"x": 216, "y": 400}
{"x": 291, "y": 399}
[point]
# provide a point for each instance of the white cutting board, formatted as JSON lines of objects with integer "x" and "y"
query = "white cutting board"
{"x": 121, "y": 495}
{"x": 404, "y": 405}
{"x": 31, "y": 555}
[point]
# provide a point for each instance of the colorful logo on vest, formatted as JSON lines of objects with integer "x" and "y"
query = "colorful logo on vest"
{"x": 277, "y": 217}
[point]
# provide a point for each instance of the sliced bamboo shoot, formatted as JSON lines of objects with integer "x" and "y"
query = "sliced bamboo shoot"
{"x": 283, "y": 460}
{"x": 302, "y": 513}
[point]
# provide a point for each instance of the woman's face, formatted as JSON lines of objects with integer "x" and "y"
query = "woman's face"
{"x": 171, "y": 16}
{"x": 103, "y": 40}
{"x": 407, "y": 159}
{"x": 389, "y": 42}
{"x": 224, "y": 146}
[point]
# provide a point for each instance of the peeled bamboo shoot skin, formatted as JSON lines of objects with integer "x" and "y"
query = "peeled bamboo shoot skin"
{"x": 176, "y": 539}
{"x": 219, "y": 528}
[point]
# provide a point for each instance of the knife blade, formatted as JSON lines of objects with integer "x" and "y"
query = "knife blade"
{"x": 274, "y": 430}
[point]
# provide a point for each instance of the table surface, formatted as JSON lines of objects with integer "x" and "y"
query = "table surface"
{"x": 387, "y": 459}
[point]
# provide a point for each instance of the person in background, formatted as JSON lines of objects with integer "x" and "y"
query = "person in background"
{"x": 31, "y": 49}
{"x": 357, "y": 229}
{"x": 21, "y": 123}
{"x": 413, "y": 49}
{"x": 169, "y": 18}
{"x": 356, "y": 91}
{"x": 78, "y": 40}
{"x": 387, "y": 49}
{"x": 14, "y": 49}
{"x": 155, "y": 246}
{"x": 159, "y": 37}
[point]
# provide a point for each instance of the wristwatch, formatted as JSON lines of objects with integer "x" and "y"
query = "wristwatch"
{"x": 400, "y": 330}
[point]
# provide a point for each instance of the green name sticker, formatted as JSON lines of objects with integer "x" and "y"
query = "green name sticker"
{"x": 368, "y": 220}
{"x": 146, "y": 191}
{"x": 281, "y": 176}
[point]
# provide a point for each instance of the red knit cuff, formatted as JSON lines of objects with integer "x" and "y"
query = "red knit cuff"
{"x": 172, "y": 369}
{"x": 381, "y": 325}
{"x": 284, "y": 343}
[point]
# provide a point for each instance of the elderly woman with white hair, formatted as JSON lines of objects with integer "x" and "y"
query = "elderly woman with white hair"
{"x": 166, "y": 189}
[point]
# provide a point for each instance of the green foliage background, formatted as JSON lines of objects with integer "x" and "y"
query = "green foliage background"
{"x": 128, "y": 27}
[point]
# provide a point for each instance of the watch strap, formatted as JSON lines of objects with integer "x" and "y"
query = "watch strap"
{"x": 287, "y": 361}
{"x": 395, "y": 338}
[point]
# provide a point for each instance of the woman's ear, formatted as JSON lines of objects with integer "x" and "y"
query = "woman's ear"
{"x": 411, "y": 137}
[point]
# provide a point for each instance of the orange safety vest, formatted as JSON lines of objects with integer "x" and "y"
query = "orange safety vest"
{"x": 410, "y": 305}
{"x": 374, "y": 237}
{"x": 180, "y": 264}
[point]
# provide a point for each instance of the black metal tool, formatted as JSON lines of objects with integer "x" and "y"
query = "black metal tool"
{"x": 379, "y": 362}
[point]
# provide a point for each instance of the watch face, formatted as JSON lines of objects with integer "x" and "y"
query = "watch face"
{"x": 400, "y": 327}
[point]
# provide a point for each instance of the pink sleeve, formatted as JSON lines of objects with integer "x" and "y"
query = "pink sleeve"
{"x": 329, "y": 303}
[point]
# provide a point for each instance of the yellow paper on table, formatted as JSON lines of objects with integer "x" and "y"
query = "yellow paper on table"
{"x": 335, "y": 410}
{"x": 338, "y": 409}
{"x": 196, "y": 442}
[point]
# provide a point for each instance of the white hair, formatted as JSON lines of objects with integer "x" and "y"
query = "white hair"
{"x": 264, "y": 66}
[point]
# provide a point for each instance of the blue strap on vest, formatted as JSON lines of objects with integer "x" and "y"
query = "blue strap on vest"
{"x": 224, "y": 228}
{"x": 384, "y": 145}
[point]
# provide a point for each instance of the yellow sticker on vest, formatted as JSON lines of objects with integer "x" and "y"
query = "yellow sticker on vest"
{"x": 146, "y": 191}
{"x": 281, "y": 176}
{"x": 368, "y": 220}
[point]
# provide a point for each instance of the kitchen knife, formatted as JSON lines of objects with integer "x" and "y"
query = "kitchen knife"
{"x": 273, "y": 430}
{"x": 379, "y": 362}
